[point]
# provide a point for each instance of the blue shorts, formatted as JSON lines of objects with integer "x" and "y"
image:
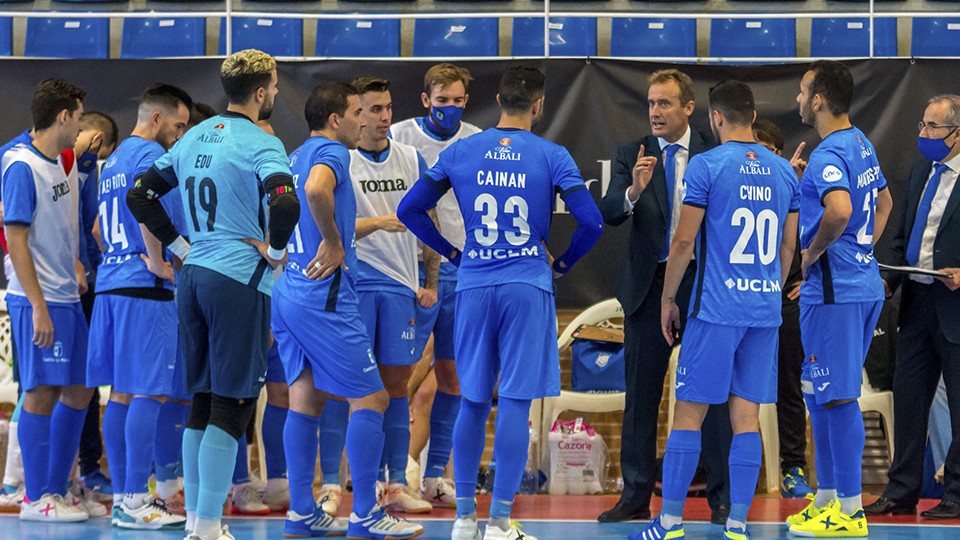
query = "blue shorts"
{"x": 716, "y": 361}
{"x": 64, "y": 363}
{"x": 334, "y": 346}
{"x": 133, "y": 345}
{"x": 179, "y": 390}
{"x": 389, "y": 320}
{"x": 508, "y": 332}
{"x": 225, "y": 333}
{"x": 274, "y": 365}
{"x": 836, "y": 338}
{"x": 438, "y": 320}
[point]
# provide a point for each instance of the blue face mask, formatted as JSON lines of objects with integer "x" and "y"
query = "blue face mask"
{"x": 446, "y": 118}
{"x": 934, "y": 149}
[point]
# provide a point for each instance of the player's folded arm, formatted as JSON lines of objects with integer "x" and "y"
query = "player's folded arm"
{"x": 284, "y": 210}
{"x": 143, "y": 200}
{"x": 589, "y": 226}
{"x": 413, "y": 212}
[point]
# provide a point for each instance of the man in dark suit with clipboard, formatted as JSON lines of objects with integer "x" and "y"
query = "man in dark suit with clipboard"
{"x": 640, "y": 193}
{"x": 928, "y": 238}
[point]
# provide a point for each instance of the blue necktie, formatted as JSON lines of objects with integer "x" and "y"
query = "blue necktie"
{"x": 669, "y": 171}
{"x": 923, "y": 212}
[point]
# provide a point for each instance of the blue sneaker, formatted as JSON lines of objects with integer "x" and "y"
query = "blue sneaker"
{"x": 99, "y": 484}
{"x": 656, "y": 531}
{"x": 795, "y": 485}
{"x": 735, "y": 533}
{"x": 380, "y": 525}
{"x": 314, "y": 525}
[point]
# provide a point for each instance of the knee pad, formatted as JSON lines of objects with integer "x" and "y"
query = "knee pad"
{"x": 199, "y": 412}
{"x": 232, "y": 415}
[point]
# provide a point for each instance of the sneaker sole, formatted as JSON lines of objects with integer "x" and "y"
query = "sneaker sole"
{"x": 77, "y": 519}
{"x": 412, "y": 511}
{"x": 236, "y": 511}
{"x": 324, "y": 535}
{"x": 136, "y": 527}
{"x": 388, "y": 537}
{"x": 810, "y": 534}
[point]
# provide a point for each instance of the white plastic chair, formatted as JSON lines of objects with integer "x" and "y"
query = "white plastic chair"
{"x": 599, "y": 314}
{"x": 880, "y": 401}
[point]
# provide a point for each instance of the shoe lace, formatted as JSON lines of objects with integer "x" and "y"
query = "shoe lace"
{"x": 383, "y": 514}
{"x": 516, "y": 525}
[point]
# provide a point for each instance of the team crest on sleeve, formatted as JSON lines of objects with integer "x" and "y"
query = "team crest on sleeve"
{"x": 831, "y": 174}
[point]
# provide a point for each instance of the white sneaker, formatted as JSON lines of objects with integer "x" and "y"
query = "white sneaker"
{"x": 405, "y": 500}
{"x": 329, "y": 498}
{"x": 153, "y": 515}
{"x": 319, "y": 523}
{"x": 53, "y": 509}
{"x": 440, "y": 492}
{"x": 380, "y": 524}
{"x": 81, "y": 498}
{"x": 381, "y": 489}
{"x": 465, "y": 529}
{"x": 10, "y": 504}
{"x": 514, "y": 533}
{"x": 413, "y": 472}
{"x": 247, "y": 501}
{"x": 224, "y": 535}
{"x": 276, "y": 495}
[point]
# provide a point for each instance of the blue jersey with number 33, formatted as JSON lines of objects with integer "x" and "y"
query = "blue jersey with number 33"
{"x": 505, "y": 181}
{"x": 221, "y": 166}
{"x": 847, "y": 271}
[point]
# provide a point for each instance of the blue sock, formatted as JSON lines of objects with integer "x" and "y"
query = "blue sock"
{"x": 821, "y": 442}
{"x": 679, "y": 465}
{"x": 34, "y": 435}
{"x": 273, "y": 421}
{"x": 333, "y": 435}
{"x": 191, "y": 468}
{"x": 846, "y": 444}
{"x": 745, "y": 455}
{"x": 469, "y": 437}
{"x": 141, "y": 436}
{"x": 364, "y": 448}
{"x": 300, "y": 447}
{"x": 396, "y": 438}
{"x": 443, "y": 416}
{"x": 115, "y": 442}
{"x": 66, "y": 425}
{"x": 216, "y": 466}
{"x": 241, "y": 468}
{"x": 512, "y": 440}
{"x": 169, "y": 446}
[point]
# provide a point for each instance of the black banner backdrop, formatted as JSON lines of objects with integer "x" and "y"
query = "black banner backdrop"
{"x": 592, "y": 107}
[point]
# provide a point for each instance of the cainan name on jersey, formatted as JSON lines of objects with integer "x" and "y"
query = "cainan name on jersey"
{"x": 753, "y": 285}
{"x": 116, "y": 181}
{"x": 60, "y": 190}
{"x": 377, "y": 186}
{"x": 486, "y": 254}
{"x": 502, "y": 179}
{"x": 756, "y": 193}
{"x": 868, "y": 176}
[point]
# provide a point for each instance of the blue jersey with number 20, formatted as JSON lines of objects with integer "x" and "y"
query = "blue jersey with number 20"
{"x": 505, "y": 181}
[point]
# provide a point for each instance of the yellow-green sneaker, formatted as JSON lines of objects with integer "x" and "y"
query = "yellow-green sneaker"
{"x": 832, "y": 522}
{"x": 810, "y": 511}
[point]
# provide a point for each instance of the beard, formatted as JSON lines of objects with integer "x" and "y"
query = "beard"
{"x": 265, "y": 110}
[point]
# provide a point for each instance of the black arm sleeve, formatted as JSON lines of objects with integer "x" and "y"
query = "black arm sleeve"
{"x": 144, "y": 203}
{"x": 284, "y": 209}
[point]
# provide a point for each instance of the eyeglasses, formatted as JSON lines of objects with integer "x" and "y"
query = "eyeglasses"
{"x": 931, "y": 125}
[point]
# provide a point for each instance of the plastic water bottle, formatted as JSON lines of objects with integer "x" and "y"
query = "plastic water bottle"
{"x": 530, "y": 483}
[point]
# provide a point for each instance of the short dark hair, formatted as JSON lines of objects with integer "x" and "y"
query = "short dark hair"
{"x": 327, "y": 99}
{"x": 767, "y": 132}
{"x": 734, "y": 100}
{"x": 52, "y": 96}
{"x": 834, "y": 82}
{"x": 166, "y": 96}
{"x": 520, "y": 88}
{"x": 245, "y": 71}
{"x": 101, "y": 122}
{"x": 200, "y": 112}
{"x": 370, "y": 84}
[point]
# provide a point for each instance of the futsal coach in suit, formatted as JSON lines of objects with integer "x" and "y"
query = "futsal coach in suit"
{"x": 928, "y": 236}
{"x": 640, "y": 194}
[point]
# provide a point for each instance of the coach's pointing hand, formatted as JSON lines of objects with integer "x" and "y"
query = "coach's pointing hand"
{"x": 797, "y": 162}
{"x": 642, "y": 173}
{"x": 329, "y": 257}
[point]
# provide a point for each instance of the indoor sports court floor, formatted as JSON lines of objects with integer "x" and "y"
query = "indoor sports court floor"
{"x": 544, "y": 516}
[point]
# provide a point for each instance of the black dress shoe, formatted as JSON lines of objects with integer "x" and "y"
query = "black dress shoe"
{"x": 719, "y": 515}
{"x": 945, "y": 510}
{"x": 624, "y": 511}
{"x": 884, "y": 506}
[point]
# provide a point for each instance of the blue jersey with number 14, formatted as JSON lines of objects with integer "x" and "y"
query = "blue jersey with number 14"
{"x": 505, "y": 181}
{"x": 847, "y": 272}
{"x": 746, "y": 192}
{"x": 221, "y": 166}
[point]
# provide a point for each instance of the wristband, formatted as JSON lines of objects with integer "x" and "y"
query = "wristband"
{"x": 276, "y": 254}
{"x": 180, "y": 247}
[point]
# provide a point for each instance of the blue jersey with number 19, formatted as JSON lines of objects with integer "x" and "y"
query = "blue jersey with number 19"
{"x": 505, "y": 181}
{"x": 221, "y": 166}
{"x": 746, "y": 192}
{"x": 337, "y": 292}
{"x": 847, "y": 272}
